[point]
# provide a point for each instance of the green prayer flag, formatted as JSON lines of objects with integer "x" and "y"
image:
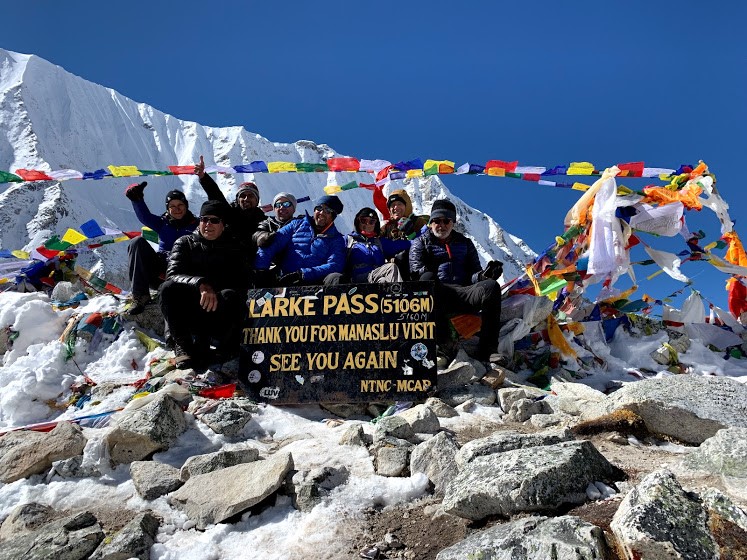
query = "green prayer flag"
{"x": 552, "y": 284}
{"x": 6, "y": 177}
{"x": 153, "y": 172}
{"x": 55, "y": 244}
{"x": 311, "y": 167}
{"x": 150, "y": 235}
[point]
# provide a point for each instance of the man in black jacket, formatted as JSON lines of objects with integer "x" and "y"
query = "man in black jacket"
{"x": 204, "y": 295}
{"x": 462, "y": 285}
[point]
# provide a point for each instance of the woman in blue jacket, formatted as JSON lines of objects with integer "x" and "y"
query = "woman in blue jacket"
{"x": 146, "y": 266}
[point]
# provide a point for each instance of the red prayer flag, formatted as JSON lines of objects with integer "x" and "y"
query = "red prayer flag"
{"x": 132, "y": 234}
{"x": 379, "y": 201}
{"x": 48, "y": 253}
{"x": 182, "y": 169}
{"x": 343, "y": 164}
{"x": 509, "y": 166}
{"x": 531, "y": 176}
{"x": 634, "y": 169}
{"x": 32, "y": 175}
{"x": 737, "y": 297}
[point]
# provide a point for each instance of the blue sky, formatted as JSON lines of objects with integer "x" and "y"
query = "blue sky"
{"x": 544, "y": 83}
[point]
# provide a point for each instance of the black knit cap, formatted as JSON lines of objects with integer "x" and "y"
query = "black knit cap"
{"x": 367, "y": 213}
{"x": 176, "y": 195}
{"x": 394, "y": 198}
{"x": 215, "y": 208}
{"x": 443, "y": 208}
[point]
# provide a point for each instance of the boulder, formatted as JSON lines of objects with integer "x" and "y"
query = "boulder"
{"x": 440, "y": 408}
{"x": 393, "y": 426}
{"x": 455, "y": 396}
{"x": 541, "y": 478}
{"x": 354, "y": 435}
{"x": 25, "y": 518}
{"x": 510, "y": 395}
{"x": 506, "y": 441}
{"x": 153, "y": 479}
{"x": 72, "y": 537}
{"x": 141, "y": 432}
{"x": 724, "y": 454}
{"x": 422, "y": 419}
{"x": 24, "y": 453}
{"x": 311, "y": 487}
{"x": 533, "y": 538}
{"x": 574, "y": 398}
{"x": 203, "y": 464}
{"x": 392, "y": 461}
{"x": 229, "y": 416}
{"x": 458, "y": 373}
{"x": 658, "y": 519}
{"x": 435, "y": 459}
{"x": 216, "y": 496}
{"x": 132, "y": 541}
{"x": 690, "y": 408}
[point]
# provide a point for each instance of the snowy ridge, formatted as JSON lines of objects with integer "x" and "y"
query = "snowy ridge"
{"x": 52, "y": 119}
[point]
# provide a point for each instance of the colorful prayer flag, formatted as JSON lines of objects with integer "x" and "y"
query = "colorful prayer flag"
{"x": 124, "y": 170}
{"x": 253, "y": 167}
{"x": 91, "y": 229}
{"x": 33, "y": 175}
{"x": 73, "y": 237}
{"x": 182, "y": 169}
{"x": 580, "y": 168}
{"x": 6, "y": 177}
{"x": 343, "y": 164}
{"x": 281, "y": 167}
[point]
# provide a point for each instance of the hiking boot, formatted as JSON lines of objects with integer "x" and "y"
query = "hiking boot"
{"x": 445, "y": 353}
{"x": 182, "y": 355}
{"x": 138, "y": 304}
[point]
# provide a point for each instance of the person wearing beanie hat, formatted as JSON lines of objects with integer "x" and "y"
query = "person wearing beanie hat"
{"x": 401, "y": 223}
{"x": 450, "y": 259}
{"x": 146, "y": 266}
{"x": 244, "y": 215}
{"x": 203, "y": 296}
{"x": 307, "y": 251}
{"x": 283, "y": 205}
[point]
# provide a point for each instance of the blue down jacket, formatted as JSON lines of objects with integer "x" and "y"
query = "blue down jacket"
{"x": 167, "y": 228}
{"x": 365, "y": 254}
{"x": 455, "y": 262}
{"x": 297, "y": 246}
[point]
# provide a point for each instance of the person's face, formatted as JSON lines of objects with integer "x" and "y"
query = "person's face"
{"x": 367, "y": 224}
{"x": 323, "y": 216}
{"x": 211, "y": 227}
{"x": 247, "y": 200}
{"x": 441, "y": 227}
{"x": 283, "y": 209}
{"x": 397, "y": 209}
{"x": 176, "y": 209}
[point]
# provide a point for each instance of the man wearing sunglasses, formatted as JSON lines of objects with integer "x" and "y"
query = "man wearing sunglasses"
{"x": 203, "y": 296}
{"x": 306, "y": 250}
{"x": 283, "y": 205}
{"x": 450, "y": 259}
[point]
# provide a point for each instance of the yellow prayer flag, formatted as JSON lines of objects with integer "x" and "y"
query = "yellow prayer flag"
{"x": 414, "y": 173}
{"x": 20, "y": 254}
{"x": 580, "y": 187}
{"x": 332, "y": 189}
{"x": 281, "y": 166}
{"x": 533, "y": 280}
{"x": 124, "y": 170}
{"x": 4, "y": 280}
{"x": 82, "y": 272}
{"x": 557, "y": 339}
{"x": 580, "y": 168}
{"x": 496, "y": 171}
{"x": 710, "y": 246}
{"x": 73, "y": 237}
{"x": 121, "y": 238}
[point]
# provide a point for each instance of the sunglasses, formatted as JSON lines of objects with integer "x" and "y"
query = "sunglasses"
{"x": 247, "y": 194}
{"x": 284, "y": 204}
{"x": 441, "y": 221}
{"x": 210, "y": 220}
{"x": 367, "y": 221}
{"x": 323, "y": 209}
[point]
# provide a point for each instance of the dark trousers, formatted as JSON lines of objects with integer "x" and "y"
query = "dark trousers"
{"x": 483, "y": 297}
{"x": 190, "y": 324}
{"x": 146, "y": 267}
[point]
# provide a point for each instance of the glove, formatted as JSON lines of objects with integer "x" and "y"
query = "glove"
{"x": 492, "y": 271}
{"x": 266, "y": 240}
{"x": 291, "y": 279}
{"x": 135, "y": 192}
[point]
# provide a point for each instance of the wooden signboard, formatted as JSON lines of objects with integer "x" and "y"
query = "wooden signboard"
{"x": 346, "y": 343}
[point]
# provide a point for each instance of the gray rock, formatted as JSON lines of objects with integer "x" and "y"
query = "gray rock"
{"x": 203, "y": 464}
{"x": 658, "y": 519}
{"x": 311, "y": 487}
{"x": 724, "y": 454}
{"x": 458, "y": 373}
{"x": 132, "y": 541}
{"x": 523, "y": 409}
{"x": 65, "y": 291}
{"x": 69, "y": 538}
{"x": 25, "y": 518}
{"x": 720, "y": 504}
{"x": 345, "y": 410}
{"x": 141, "y": 432}
{"x": 457, "y": 395}
{"x": 24, "y": 453}
{"x": 392, "y": 461}
{"x": 76, "y": 467}
{"x": 533, "y": 538}
{"x": 151, "y": 319}
{"x": 435, "y": 458}
{"x": 690, "y": 408}
{"x": 216, "y": 496}
{"x": 354, "y": 435}
{"x": 229, "y": 416}
{"x": 510, "y": 395}
{"x": 440, "y": 408}
{"x": 526, "y": 480}
{"x": 422, "y": 419}
{"x": 574, "y": 398}
{"x": 543, "y": 421}
{"x": 152, "y": 479}
{"x": 393, "y": 426}
{"x": 501, "y": 442}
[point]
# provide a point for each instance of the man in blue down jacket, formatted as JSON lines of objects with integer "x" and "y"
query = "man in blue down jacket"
{"x": 307, "y": 250}
{"x": 450, "y": 259}
{"x": 204, "y": 295}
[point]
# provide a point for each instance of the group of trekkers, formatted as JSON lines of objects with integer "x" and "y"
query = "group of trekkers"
{"x": 205, "y": 264}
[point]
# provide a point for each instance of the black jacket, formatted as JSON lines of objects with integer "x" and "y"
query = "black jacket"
{"x": 455, "y": 262}
{"x": 241, "y": 223}
{"x": 219, "y": 263}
